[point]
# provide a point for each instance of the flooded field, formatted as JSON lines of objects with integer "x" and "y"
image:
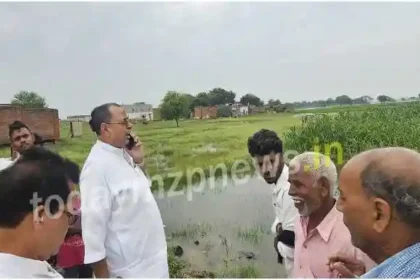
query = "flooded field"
{"x": 225, "y": 229}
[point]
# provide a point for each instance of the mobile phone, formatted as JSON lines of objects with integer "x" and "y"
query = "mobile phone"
{"x": 131, "y": 142}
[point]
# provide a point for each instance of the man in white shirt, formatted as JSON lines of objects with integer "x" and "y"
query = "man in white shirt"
{"x": 266, "y": 148}
{"x": 35, "y": 215}
{"x": 122, "y": 227}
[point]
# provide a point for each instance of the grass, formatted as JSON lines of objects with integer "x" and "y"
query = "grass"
{"x": 173, "y": 153}
{"x": 253, "y": 235}
{"x": 192, "y": 231}
{"x": 346, "y": 108}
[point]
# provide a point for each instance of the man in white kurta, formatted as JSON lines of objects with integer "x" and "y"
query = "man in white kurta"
{"x": 121, "y": 223}
{"x": 286, "y": 214}
{"x": 267, "y": 150}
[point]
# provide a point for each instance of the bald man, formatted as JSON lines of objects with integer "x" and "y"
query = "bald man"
{"x": 380, "y": 202}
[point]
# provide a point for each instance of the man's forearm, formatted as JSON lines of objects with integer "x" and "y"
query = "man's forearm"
{"x": 100, "y": 269}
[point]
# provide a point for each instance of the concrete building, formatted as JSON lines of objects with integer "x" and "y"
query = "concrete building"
{"x": 139, "y": 111}
{"x": 239, "y": 110}
{"x": 79, "y": 118}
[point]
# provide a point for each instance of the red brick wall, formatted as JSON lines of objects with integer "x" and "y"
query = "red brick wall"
{"x": 45, "y": 122}
{"x": 205, "y": 112}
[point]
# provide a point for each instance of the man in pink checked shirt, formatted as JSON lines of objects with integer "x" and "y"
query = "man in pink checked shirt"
{"x": 319, "y": 231}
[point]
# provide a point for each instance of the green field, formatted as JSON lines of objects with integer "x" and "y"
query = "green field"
{"x": 195, "y": 144}
{"x": 346, "y": 108}
{"x": 206, "y": 144}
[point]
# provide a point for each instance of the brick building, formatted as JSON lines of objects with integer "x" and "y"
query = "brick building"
{"x": 207, "y": 112}
{"x": 44, "y": 122}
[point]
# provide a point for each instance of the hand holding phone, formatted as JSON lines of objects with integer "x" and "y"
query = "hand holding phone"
{"x": 130, "y": 142}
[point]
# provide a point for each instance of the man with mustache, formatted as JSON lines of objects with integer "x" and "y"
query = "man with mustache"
{"x": 122, "y": 226}
{"x": 320, "y": 231}
{"x": 380, "y": 202}
{"x": 266, "y": 148}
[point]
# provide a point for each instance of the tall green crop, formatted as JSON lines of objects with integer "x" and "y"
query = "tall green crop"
{"x": 357, "y": 131}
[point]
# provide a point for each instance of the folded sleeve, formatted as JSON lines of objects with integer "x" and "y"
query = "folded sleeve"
{"x": 96, "y": 209}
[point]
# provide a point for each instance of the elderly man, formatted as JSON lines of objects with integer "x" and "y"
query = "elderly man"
{"x": 35, "y": 212}
{"x": 380, "y": 202}
{"x": 320, "y": 231}
{"x": 122, "y": 227}
{"x": 267, "y": 150}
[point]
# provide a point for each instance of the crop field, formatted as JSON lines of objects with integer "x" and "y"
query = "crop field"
{"x": 169, "y": 150}
{"x": 346, "y": 108}
{"x": 209, "y": 144}
{"x": 381, "y": 126}
{"x": 205, "y": 144}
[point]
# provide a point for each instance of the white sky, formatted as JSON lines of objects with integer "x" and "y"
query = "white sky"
{"x": 79, "y": 55}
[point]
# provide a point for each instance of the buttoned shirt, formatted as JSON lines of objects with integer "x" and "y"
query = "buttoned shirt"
{"x": 331, "y": 237}
{"x": 121, "y": 220}
{"x": 286, "y": 213}
{"x": 405, "y": 264}
{"x": 12, "y": 266}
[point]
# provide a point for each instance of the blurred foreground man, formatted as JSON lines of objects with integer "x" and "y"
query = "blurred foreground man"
{"x": 320, "y": 231}
{"x": 267, "y": 150}
{"x": 34, "y": 215}
{"x": 380, "y": 202}
{"x": 122, "y": 227}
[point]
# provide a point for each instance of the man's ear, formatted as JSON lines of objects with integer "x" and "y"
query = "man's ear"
{"x": 325, "y": 186}
{"x": 382, "y": 214}
{"x": 38, "y": 215}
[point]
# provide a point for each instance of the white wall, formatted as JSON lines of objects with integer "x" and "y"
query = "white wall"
{"x": 139, "y": 116}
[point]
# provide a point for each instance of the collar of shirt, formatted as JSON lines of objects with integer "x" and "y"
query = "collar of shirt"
{"x": 19, "y": 266}
{"x": 116, "y": 151}
{"x": 325, "y": 227}
{"x": 401, "y": 262}
{"x": 282, "y": 181}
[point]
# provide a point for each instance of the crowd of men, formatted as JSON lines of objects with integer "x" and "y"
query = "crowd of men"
{"x": 113, "y": 228}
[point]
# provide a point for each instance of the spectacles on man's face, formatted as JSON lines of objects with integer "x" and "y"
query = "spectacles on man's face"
{"x": 125, "y": 122}
{"x": 72, "y": 218}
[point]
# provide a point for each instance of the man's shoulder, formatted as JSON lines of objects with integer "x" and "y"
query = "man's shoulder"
{"x": 5, "y": 162}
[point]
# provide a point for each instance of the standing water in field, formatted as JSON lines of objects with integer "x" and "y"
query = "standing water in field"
{"x": 224, "y": 229}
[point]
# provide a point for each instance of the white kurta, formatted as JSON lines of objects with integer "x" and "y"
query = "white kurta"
{"x": 121, "y": 220}
{"x": 12, "y": 266}
{"x": 286, "y": 213}
{"x": 5, "y": 162}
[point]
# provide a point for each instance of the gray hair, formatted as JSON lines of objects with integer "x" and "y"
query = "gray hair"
{"x": 401, "y": 193}
{"x": 318, "y": 165}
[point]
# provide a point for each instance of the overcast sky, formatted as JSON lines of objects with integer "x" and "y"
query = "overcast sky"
{"x": 80, "y": 55}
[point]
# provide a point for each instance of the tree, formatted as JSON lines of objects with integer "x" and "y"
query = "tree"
{"x": 384, "y": 98}
{"x": 224, "y": 111}
{"x": 220, "y": 96}
{"x": 343, "y": 100}
{"x": 251, "y": 99}
{"x": 201, "y": 100}
{"x": 174, "y": 106}
{"x": 273, "y": 103}
{"x": 28, "y": 99}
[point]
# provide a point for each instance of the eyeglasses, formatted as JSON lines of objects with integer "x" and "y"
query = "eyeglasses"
{"x": 126, "y": 121}
{"x": 72, "y": 218}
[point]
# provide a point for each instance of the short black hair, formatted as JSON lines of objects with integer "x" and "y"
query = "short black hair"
{"x": 37, "y": 172}
{"x": 264, "y": 142}
{"x": 16, "y": 125}
{"x": 100, "y": 115}
{"x": 38, "y": 139}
